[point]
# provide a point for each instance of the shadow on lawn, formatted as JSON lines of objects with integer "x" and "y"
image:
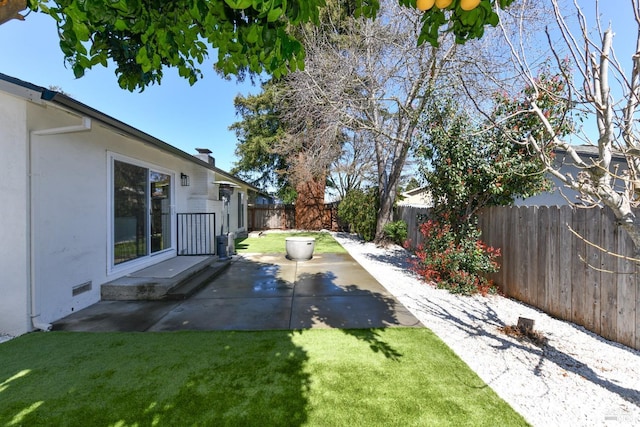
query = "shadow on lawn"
{"x": 471, "y": 319}
{"x": 190, "y": 377}
{"x": 199, "y": 378}
{"x": 329, "y": 291}
{"x": 356, "y": 311}
{"x": 185, "y": 378}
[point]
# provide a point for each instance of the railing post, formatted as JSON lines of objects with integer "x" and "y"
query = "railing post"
{"x": 196, "y": 233}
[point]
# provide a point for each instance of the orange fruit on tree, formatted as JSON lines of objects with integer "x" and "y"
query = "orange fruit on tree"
{"x": 443, "y": 4}
{"x": 424, "y": 4}
{"x": 469, "y": 4}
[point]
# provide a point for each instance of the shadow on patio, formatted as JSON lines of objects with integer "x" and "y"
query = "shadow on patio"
{"x": 261, "y": 292}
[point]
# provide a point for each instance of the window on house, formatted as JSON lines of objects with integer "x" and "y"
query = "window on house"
{"x": 141, "y": 211}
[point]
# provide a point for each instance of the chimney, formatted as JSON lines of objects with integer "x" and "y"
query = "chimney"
{"x": 204, "y": 154}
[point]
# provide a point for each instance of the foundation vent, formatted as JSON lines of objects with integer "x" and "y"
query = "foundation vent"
{"x": 85, "y": 287}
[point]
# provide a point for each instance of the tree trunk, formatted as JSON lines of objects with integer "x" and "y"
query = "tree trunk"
{"x": 385, "y": 216}
{"x": 310, "y": 204}
{"x": 388, "y": 186}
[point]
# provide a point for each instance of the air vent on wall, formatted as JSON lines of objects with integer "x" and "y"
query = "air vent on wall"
{"x": 85, "y": 287}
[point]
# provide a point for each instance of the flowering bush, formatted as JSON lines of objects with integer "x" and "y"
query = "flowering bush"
{"x": 456, "y": 261}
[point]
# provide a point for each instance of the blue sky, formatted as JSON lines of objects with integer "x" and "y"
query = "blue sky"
{"x": 618, "y": 15}
{"x": 182, "y": 115}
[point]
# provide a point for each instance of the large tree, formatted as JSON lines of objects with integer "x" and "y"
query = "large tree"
{"x": 259, "y": 131}
{"x": 287, "y": 147}
{"x": 371, "y": 78}
{"x": 589, "y": 77}
{"x": 143, "y": 37}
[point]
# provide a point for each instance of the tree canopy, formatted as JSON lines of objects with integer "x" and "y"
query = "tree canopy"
{"x": 259, "y": 130}
{"x": 468, "y": 168}
{"x": 250, "y": 36}
{"x": 584, "y": 81}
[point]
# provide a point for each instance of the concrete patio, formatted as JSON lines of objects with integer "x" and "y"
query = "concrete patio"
{"x": 260, "y": 292}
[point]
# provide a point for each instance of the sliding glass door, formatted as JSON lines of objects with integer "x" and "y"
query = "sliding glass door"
{"x": 141, "y": 211}
{"x": 160, "y": 211}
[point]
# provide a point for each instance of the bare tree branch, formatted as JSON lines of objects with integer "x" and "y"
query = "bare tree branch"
{"x": 603, "y": 94}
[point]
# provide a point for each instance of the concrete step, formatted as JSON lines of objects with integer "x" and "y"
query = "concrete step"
{"x": 158, "y": 281}
{"x": 196, "y": 282}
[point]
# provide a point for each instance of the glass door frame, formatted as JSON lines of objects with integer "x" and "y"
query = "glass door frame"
{"x": 160, "y": 203}
{"x": 151, "y": 256}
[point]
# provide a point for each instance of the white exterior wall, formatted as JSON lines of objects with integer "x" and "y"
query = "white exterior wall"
{"x": 72, "y": 208}
{"x": 57, "y": 226}
{"x": 553, "y": 197}
{"x": 14, "y": 212}
{"x": 239, "y": 229}
{"x": 69, "y": 217}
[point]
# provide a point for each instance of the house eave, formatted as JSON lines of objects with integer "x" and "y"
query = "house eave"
{"x": 39, "y": 94}
{"x": 83, "y": 109}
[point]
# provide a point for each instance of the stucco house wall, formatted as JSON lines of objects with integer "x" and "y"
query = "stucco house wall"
{"x": 14, "y": 249}
{"x": 559, "y": 195}
{"x": 417, "y": 197}
{"x": 57, "y": 211}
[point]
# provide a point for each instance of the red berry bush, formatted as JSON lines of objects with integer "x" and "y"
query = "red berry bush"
{"x": 457, "y": 261}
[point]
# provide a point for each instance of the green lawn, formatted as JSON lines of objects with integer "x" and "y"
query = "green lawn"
{"x": 321, "y": 377}
{"x": 274, "y": 243}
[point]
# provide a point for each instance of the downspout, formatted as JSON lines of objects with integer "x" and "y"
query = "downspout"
{"x": 36, "y": 322}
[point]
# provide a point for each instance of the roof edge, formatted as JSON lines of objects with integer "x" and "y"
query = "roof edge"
{"x": 83, "y": 109}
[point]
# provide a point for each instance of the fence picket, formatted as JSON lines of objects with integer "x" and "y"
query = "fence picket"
{"x": 566, "y": 259}
{"x": 593, "y": 224}
{"x": 541, "y": 265}
{"x": 578, "y": 266}
{"x": 608, "y": 283}
{"x": 543, "y": 247}
{"x": 627, "y": 296}
{"x": 523, "y": 253}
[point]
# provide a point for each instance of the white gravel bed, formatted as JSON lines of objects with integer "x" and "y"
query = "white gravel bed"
{"x": 4, "y": 338}
{"x": 577, "y": 379}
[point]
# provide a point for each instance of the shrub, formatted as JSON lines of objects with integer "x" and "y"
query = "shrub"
{"x": 358, "y": 208}
{"x": 455, "y": 260}
{"x": 396, "y": 231}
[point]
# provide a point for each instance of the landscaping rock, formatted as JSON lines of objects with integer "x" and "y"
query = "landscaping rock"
{"x": 576, "y": 379}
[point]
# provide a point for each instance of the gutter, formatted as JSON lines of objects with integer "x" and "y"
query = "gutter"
{"x": 40, "y": 95}
{"x": 85, "y": 126}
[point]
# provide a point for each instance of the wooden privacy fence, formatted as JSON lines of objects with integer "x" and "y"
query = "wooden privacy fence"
{"x": 270, "y": 217}
{"x": 283, "y": 217}
{"x": 572, "y": 275}
{"x": 413, "y": 216}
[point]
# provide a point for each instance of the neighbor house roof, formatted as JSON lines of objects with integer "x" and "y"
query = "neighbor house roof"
{"x": 589, "y": 151}
{"x": 420, "y": 196}
{"x": 39, "y": 94}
